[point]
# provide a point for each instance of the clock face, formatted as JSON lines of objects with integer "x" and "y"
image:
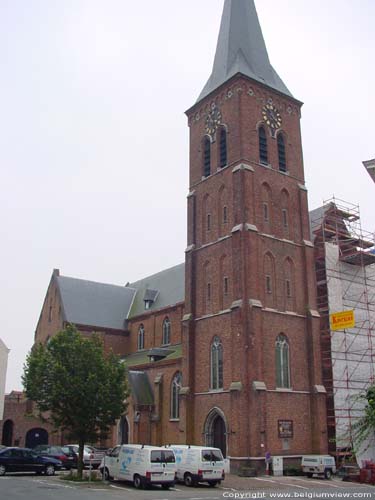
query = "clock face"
{"x": 213, "y": 120}
{"x": 271, "y": 116}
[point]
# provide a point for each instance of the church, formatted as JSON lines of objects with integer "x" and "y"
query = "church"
{"x": 223, "y": 349}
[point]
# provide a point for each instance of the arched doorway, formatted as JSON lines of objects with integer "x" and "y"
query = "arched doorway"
{"x": 216, "y": 430}
{"x": 35, "y": 437}
{"x": 123, "y": 430}
{"x": 7, "y": 437}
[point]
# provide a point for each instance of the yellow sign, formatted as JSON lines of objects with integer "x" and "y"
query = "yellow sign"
{"x": 342, "y": 320}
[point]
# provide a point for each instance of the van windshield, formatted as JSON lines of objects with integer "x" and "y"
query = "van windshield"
{"x": 165, "y": 457}
{"x": 212, "y": 456}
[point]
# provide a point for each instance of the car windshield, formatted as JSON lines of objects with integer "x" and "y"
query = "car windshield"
{"x": 56, "y": 450}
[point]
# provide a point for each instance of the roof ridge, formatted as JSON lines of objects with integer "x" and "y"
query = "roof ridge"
{"x": 94, "y": 282}
{"x": 157, "y": 274}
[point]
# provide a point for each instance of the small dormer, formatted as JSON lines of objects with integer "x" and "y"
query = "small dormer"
{"x": 150, "y": 297}
{"x": 157, "y": 354}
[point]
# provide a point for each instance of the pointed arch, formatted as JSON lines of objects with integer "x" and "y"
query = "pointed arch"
{"x": 224, "y": 285}
{"x": 285, "y": 214}
{"x": 281, "y": 150}
{"x": 216, "y": 430}
{"x": 289, "y": 284}
{"x": 266, "y": 208}
{"x": 141, "y": 338}
{"x": 282, "y": 355}
{"x": 223, "y": 212}
{"x": 216, "y": 364}
{"x": 36, "y": 436}
{"x": 166, "y": 340}
{"x": 175, "y": 396}
{"x": 263, "y": 147}
{"x": 223, "y": 147}
{"x": 269, "y": 280}
{"x": 207, "y": 218}
{"x": 206, "y": 160}
{"x": 123, "y": 430}
{"x": 207, "y": 287}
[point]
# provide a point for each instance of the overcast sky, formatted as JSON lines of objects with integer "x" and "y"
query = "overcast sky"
{"x": 94, "y": 140}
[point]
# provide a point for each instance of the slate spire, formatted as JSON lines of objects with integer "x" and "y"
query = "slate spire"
{"x": 241, "y": 49}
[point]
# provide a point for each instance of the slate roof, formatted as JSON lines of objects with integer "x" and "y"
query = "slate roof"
{"x": 370, "y": 167}
{"x": 241, "y": 49}
{"x": 169, "y": 285}
{"x": 141, "y": 389}
{"x": 94, "y": 304}
{"x": 142, "y": 357}
{"x": 316, "y": 219}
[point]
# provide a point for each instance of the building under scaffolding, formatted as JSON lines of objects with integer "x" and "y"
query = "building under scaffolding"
{"x": 345, "y": 272}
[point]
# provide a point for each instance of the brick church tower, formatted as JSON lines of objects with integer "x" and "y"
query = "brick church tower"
{"x": 251, "y": 378}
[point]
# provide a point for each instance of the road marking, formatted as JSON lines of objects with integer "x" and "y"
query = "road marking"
{"x": 119, "y": 488}
{"x": 175, "y": 489}
{"x": 297, "y": 486}
{"x": 53, "y": 484}
{"x": 204, "y": 498}
{"x": 266, "y": 480}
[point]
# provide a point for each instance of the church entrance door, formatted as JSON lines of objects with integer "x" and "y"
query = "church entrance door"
{"x": 216, "y": 431}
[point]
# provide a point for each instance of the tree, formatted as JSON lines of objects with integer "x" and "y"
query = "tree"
{"x": 76, "y": 386}
{"x": 364, "y": 427}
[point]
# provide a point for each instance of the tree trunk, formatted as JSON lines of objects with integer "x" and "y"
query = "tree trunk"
{"x": 81, "y": 444}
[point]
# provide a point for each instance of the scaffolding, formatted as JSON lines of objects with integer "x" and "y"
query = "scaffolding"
{"x": 345, "y": 274}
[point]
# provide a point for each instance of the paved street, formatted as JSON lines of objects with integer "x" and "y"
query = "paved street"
{"x": 14, "y": 487}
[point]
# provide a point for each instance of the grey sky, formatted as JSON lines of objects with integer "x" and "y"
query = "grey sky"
{"x": 94, "y": 141}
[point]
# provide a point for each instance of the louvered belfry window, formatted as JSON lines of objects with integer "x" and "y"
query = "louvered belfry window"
{"x": 281, "y": 151}
{"x": 207, "y": 157}
{"x": 263, "y": 152}
{"x": 223, "y": 148}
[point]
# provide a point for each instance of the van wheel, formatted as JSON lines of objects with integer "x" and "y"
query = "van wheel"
{"x": 328, "y": 474}
{"x": 309, "y": 474}
{"x": 138, "y": 482}
{"x": 105, "y": 474}
{"x": 189, "y": 480}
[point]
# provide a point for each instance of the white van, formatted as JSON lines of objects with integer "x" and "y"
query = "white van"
{"x": 197, "y": 464}
{"x": 318, "y": 464}
{"x": 143, "y": 465}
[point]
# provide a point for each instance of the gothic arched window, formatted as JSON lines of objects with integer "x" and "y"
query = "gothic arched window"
{"x": 282, "y": 362}
{"x": 206, "y": 157}
{"x": 223, "y": 148}
{"x": 263, "y": 151}
{"x": 141, "y": 338}
{"x": 166, "y": 331}
{"x": 281, "y": 152}
{"x": 216, "y": 364}
{"x": 175, "y": 393}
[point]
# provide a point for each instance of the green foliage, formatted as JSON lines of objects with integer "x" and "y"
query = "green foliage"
{"x": 364, "y": 427}
{"x": 81, "y": 389}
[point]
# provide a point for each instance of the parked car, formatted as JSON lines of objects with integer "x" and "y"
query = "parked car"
{"x": 67, "y": 456}
{"x": 91, "y": 456}
{"x": 26, "y": 460}
{"x": 318, "y": 464}
{"x": 143, "y": 465}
